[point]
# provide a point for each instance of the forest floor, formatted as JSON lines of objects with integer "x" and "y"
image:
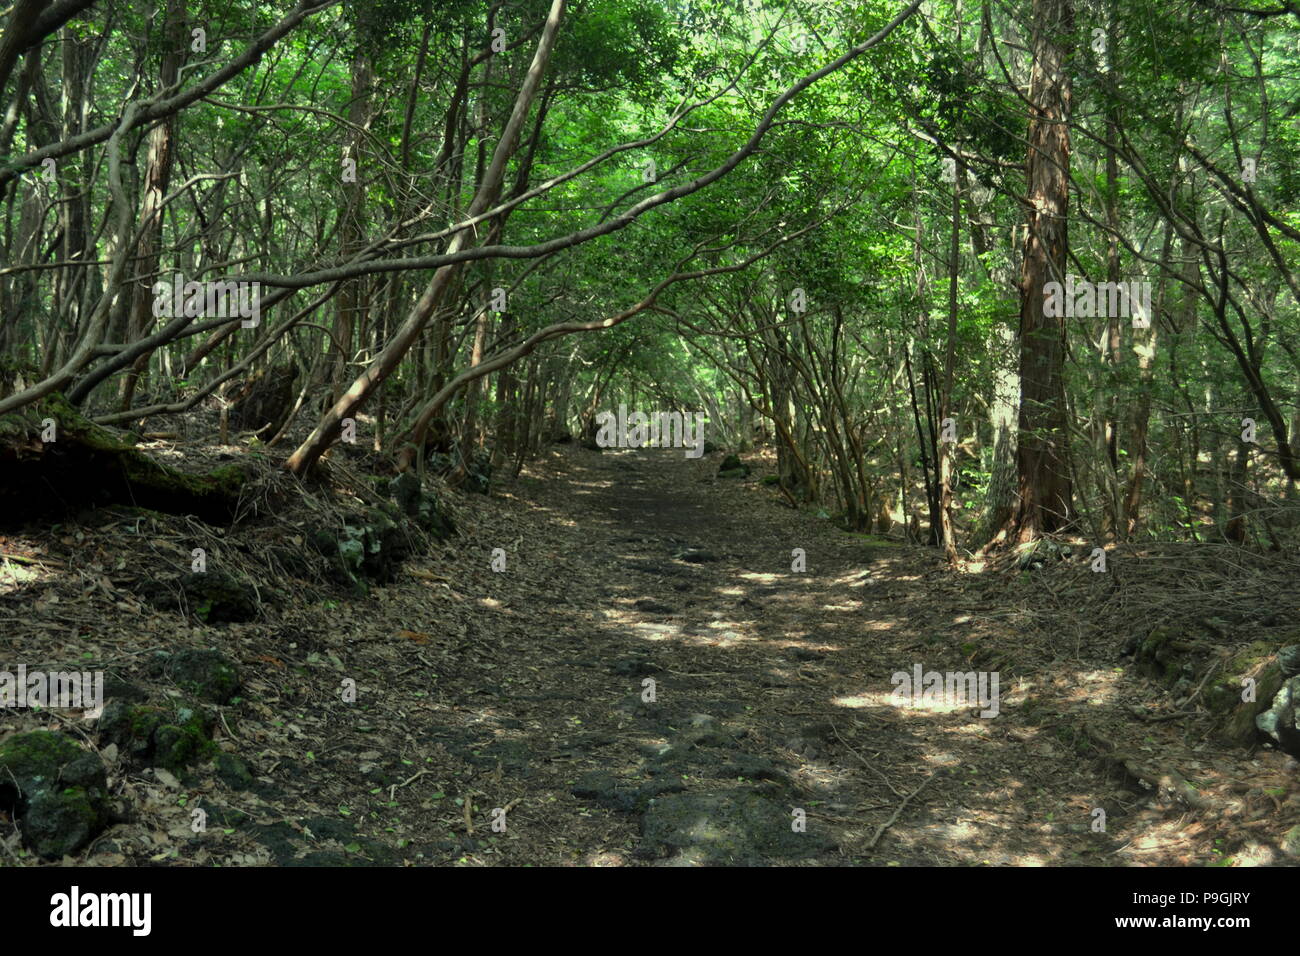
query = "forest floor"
{"x": 630, "y": 572}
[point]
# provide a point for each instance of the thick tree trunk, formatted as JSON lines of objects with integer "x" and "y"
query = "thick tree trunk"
{"x": 1045, "y": 499}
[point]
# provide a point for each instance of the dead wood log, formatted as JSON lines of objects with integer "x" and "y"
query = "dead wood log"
{"x": 53, "y": 460}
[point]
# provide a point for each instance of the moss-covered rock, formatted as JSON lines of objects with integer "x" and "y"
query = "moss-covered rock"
{"x": 1240, "y": 730}
{"x": 369, "y": 548}
{"x": 54, "y": 789}
{"x": 1156, "y": 653}
{"x": 176, "y": 746}
{"x": 207, "y": 674}
{"x": 216, "y": 597}
{"x": 213, "y": 597}
{"x": 1224, "y": 693}
{"x": 171, "y": 737}
{"x": 58, "y": 824}
{"x": 233, "y": 771}
{"x": 733, "y": 467}
{"x": 420, "y": 506}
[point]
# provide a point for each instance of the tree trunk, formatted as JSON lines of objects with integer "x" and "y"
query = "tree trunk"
{"x": 1045, "y": 496}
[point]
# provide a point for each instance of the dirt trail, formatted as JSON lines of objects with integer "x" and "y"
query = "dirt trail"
{"x": 794, "y": 670}
{"x": 767, "y": 681}
{"x": 778, "y": 683}
{"x": 526, "y": 691}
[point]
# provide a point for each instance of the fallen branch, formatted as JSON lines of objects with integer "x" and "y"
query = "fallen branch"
{"x": 864, "y": 760}
{"x": 1158, "y": 718}
{"x": 902, "y": 806}
{"x": 393, "y": 788}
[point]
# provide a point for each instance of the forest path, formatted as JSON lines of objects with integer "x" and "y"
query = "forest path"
{"x": 772, "y": 687}
{"x": 521, "y": 696}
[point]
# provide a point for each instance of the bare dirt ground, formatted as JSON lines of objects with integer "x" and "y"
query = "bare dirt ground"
{"x": 521, "y": 697}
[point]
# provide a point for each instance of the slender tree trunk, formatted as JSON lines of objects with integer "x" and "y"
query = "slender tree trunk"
{"x": 158, "y": 171}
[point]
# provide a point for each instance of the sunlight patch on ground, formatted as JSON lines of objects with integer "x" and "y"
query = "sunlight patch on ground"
{"x": 885, "y": 698}
{"x": 671, "y": 632}
{"x": 800, "y": 639}
{"x": 604, "y": 858}
{"x": 943, "y": 759}
{"x": 722, "y": 639}
{"x": 933, "y": 706}
{"x": 856, "y": 578}
{"x": 14, "y": 576}
{"x": 851, "y": 606}
{"x": 718, "y": 625}
{"x": 656, "y": 631}
{"x": 1096, "y": 688}
{"x": 955, "y": 832}
{"x": 870, "y": 699}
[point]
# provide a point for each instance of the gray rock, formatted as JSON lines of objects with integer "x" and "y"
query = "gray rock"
{"x": 1281, "y": 722}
